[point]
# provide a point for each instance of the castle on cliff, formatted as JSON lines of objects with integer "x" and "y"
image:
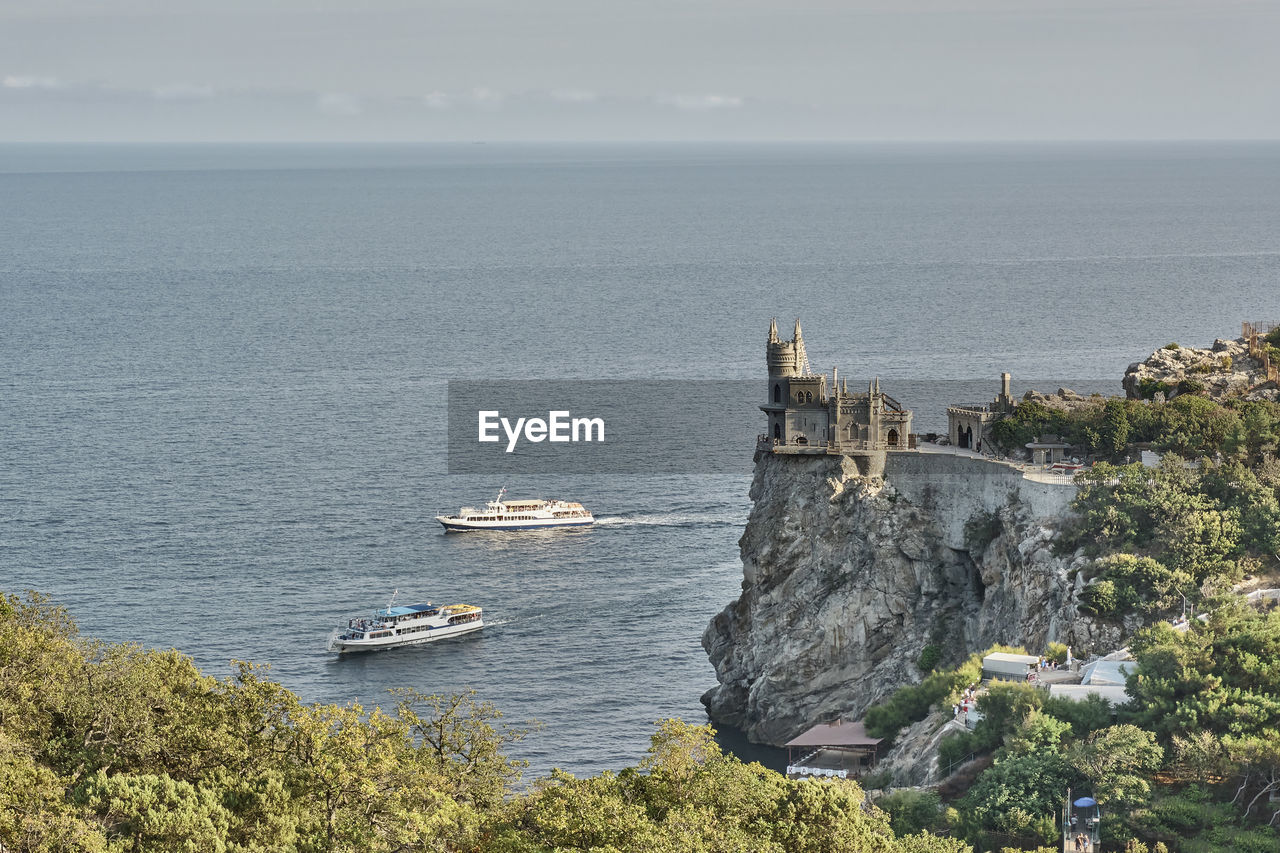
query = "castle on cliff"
{"x": 804, "y": 414}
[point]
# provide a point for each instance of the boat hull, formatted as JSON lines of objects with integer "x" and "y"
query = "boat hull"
{"x": 457, "y": 525}
{"x": 342, "y": 646}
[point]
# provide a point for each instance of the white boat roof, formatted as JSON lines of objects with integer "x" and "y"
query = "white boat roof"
{"x": 408, "y": 609}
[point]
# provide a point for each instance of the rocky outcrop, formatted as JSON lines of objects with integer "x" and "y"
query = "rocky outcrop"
{"x": 847, "y": 578}
{"x": 1224, "y": 370}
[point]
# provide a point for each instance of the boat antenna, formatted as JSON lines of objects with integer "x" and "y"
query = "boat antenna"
{"x": 501, "y": 492}
{"x": 393, "y": 598}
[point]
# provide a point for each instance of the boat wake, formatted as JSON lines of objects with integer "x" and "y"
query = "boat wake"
{"x": 673, "y": 519}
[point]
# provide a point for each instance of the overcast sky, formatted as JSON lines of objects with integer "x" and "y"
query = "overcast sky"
{"x": 649, "y": 69}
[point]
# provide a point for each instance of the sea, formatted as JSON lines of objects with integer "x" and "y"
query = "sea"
{"x": 223, "y": 374}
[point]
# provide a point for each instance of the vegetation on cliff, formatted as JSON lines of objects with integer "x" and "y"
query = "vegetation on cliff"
{"x": 1173, "y": 531}
{"x": 1191, "y": 763}
{"x": 1202, "y": 727}
{"x": 1189, "y": 425}
{"x": 1185, "y": 531}
{"x": 112, "y": 748}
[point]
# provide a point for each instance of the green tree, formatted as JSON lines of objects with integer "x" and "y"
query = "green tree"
{"x": 1114, "y": 432}
{"x": 1222, "y": 676}
{"x": 1017, "y": 794}
{"x": 1005, "y": 707}
{"x": 1038, "y": 732}
{"x": 1087, "y": 715}
{"x": 1116, "y": 762}
{"x": 911, "y": 811}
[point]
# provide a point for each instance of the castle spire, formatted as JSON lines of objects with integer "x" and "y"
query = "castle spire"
{"x": 773, "y": 331}
{"x": 802, "y": 357}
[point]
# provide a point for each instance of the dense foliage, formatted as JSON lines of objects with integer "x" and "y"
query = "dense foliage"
{"x": 1191, "y": 763}
{"x": 1189, "y": 425}
{"x": 111, "y": 748}
{"x": 1173, "y": 531}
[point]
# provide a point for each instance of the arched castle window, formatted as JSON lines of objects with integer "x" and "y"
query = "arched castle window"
{"x": 777, "y": 393}
{"x": 893, "y": 438}
{"x": 808, "y": 398}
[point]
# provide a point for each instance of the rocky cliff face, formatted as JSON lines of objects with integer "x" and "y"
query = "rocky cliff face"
{"x": 846, "y": 579}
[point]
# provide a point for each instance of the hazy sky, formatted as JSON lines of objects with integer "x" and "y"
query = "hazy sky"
{"x": 649, "y": 69}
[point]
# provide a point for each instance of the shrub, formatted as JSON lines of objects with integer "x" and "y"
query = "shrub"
{"x": 1086, "y": 716}
{"x": 953, "y": 749}
{"x": 981, "y": 530}
{"x": 1172, "y": 346}
{"x": 1099, "y": 598}
{"x": 911, "y": 811}
{"x": 1056, "y": 652}
{"x": 912, "y": 703}
{"x": 1142, "y": 583}
{"x": 929, "y": 657}
{"x": 1190, "y": 386}
{"x": 876, "y": 781}
{"x": 884, "y": 721}
{"x": 1148, "y": 388}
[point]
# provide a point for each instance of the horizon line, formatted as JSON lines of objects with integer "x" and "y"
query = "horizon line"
{"x": 662, "y": 141}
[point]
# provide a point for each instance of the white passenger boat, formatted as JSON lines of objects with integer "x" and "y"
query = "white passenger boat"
{"x": 517, "y": 515}
{"x": 406, "y": 625}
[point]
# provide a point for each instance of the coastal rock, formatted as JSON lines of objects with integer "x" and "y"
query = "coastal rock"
{"x": 1224, "y": 370}
{"x": 846, "y": 579}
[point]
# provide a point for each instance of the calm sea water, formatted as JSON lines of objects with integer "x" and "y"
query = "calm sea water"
{"x": 224, "y": 370}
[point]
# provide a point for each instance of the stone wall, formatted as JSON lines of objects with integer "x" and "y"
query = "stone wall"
{"x": 953, "y": 489}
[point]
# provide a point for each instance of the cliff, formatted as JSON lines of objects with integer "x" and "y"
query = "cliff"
{"x": 847, "y": 578}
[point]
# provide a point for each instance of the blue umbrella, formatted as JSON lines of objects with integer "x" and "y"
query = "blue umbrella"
{"x": 1085, "y": 802}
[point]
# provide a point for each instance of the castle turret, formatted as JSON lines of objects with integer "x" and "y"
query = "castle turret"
{"x": 786, "y": 358}
{"x": 1004, "y": 402}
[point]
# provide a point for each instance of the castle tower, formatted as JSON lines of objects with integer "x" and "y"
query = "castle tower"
{"x": 1004, "y": 402}
{"x": 787, "y": 360}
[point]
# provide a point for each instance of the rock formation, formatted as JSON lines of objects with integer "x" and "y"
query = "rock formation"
{"x": 1224, "y": 370}
{"x": 847, "y": 578}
